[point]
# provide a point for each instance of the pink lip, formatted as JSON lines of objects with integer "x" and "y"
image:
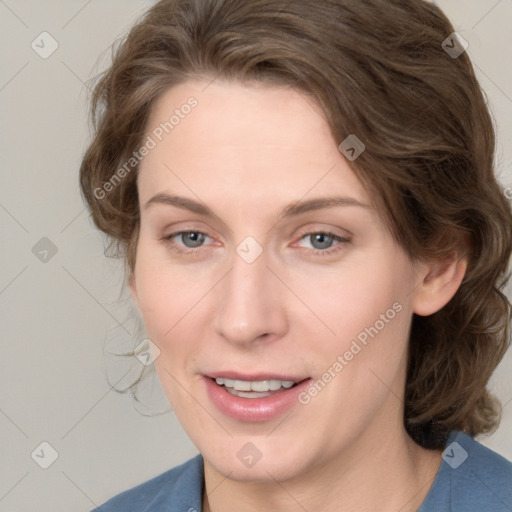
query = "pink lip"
{"x": 253, "y": 409}
{"x": 253, "y": 376}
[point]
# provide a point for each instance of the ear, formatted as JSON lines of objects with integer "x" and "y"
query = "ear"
{"x": 440, "y": 280}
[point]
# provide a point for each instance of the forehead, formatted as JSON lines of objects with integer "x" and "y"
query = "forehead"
{"x": 255, "y": 138}
{"x": 229, "y": 114}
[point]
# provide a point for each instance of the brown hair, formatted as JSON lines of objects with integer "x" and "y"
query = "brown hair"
{"x": 380, "y": 71}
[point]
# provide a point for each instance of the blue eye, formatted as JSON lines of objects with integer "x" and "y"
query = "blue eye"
{"x": 196, "y": 239}
{"x": 322, "y": 242}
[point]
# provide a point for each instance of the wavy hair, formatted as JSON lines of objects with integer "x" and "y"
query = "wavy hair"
{"x": 379, "y": 69}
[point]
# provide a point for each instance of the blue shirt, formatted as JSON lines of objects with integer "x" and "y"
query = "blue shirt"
{"x": 471, "y": 478}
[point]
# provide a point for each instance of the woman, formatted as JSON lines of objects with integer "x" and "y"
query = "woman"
{"x": 304, "y": 196}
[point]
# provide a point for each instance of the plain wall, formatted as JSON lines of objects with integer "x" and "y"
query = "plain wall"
{"x": 56, "y": 315}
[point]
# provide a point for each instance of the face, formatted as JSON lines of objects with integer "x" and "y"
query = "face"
{"x": 250, "y": 277}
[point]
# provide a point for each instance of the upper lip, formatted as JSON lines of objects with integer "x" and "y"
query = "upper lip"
{"x": 253, "y": 376}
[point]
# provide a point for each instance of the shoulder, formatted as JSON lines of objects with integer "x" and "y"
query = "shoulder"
{"x": 178, "y": 489}
{"x": 471, "y": 478}
{"x": 486, "y": 476}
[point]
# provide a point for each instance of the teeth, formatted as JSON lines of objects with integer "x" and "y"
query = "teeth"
{"x": 247, "y": 394}
{"x": 259, "y": 386}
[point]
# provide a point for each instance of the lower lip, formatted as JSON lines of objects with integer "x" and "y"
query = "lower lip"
{"x": 253, "y": 409}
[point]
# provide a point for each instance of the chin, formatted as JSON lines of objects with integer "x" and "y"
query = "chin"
{"x": 256, "y": 459}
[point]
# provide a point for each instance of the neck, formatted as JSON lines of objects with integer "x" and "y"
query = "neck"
{"x": 385, "y": 472}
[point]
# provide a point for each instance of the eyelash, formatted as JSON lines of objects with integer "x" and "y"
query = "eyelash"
{"x": 316, "y": 252}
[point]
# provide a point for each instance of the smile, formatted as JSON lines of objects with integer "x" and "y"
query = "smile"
{"x": 255, "y": 399}
{"x": 255, "y": 388}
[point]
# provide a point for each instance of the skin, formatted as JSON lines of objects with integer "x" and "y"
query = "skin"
{"x": 248, "y": 151}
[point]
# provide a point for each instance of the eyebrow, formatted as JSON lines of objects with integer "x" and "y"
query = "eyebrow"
{"x": 289, "y": 211}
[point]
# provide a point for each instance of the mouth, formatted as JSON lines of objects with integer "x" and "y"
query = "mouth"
{"x": 255, "y": 388}
{"x": 254, "y": 398}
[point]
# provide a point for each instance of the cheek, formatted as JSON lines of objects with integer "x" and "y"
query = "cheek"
{"x": 369, "y": 310}
{"x": 165, "y": 292}
{"x": 372, "y": 371}
{"x": 356, "y": 301}
{"x": 168, "y": 299}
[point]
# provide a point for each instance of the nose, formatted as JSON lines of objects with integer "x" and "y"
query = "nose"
{"x": 251, "y": 303}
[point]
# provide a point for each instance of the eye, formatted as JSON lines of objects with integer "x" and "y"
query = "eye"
{"x": 322, "y": 242}
{"x": 190, "y": 240}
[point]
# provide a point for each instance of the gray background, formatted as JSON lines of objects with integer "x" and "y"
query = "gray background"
{"x": 56, "y": 315}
